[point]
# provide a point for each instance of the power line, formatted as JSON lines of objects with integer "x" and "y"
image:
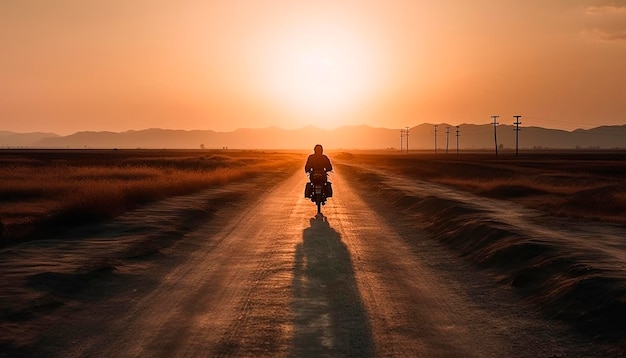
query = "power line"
{"x": 479, "y": 128}
{"x": 495, "y": 132}
{"x": 407, "y": 140}
{"x": 516, "y": 129}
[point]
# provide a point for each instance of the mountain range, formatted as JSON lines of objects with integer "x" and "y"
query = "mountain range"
{"x": 471, "y": 136}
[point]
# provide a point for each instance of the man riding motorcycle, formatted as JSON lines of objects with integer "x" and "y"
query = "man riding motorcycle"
{"x": 318, "y": 161}
{"x": 317, "y": 166}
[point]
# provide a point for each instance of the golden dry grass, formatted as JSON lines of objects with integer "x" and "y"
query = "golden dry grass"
{"x": 577, "y": 185}
{"x": 576, "y": 279}
{"x": 74, "y": 187}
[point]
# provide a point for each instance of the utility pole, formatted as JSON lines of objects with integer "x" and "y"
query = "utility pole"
{"x": 495, "y": 133}
{"x": 407, "y": 140}
{"x": 457, "y": 139}
{"x": 435, "y": 139}
{"x": 516, "y": 129}
{"x": 447, "y": 138}
{"x": 401, "y": 136}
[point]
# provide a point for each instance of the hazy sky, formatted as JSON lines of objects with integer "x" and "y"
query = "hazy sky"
{"x": 116, "y": 65}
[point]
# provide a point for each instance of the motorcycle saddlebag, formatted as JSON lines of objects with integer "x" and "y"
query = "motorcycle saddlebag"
{"x": 308, "y": 190}
{"x": 328, "y": 190}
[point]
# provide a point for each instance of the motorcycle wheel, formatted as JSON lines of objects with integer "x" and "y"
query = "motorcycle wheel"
{"x": 318, "y": 202}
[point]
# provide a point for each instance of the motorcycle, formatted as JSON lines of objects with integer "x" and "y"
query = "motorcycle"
{"x": 318, "y": 189}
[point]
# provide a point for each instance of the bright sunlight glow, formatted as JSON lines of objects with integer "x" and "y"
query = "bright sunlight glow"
{"x": 320, "y": 74}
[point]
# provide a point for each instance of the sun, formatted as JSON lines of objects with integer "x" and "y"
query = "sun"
{"x": 317, "y": 83}
{"x": 319, "y": 75}
{"x": 321, "y": 78}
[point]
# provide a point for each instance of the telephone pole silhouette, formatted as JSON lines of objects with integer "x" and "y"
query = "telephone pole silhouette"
{"x": 516, "y": 129}
{"x": 435, "y": 139}
{"x": 447, "y": 138}
{"x": 401, "y": 136}
{"x": 495, "y": 132}
{"x": 457, "y": 139}
{"x": 407, "y": 140}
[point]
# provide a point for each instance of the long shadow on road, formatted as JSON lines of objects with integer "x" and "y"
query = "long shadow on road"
{"x": 329, "y": 317}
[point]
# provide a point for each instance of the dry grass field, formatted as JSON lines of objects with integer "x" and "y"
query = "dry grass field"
{"x": 589, "y": 186}
{"x": 53, "y": 189}
{"x": 571, "y": 269}
{"x": 566, "y": 257}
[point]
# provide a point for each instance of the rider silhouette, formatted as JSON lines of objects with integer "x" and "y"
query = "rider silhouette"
{"x": 318, "y": 162}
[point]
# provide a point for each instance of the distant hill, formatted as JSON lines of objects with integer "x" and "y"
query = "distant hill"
{"x": 10, "y": 139}
{"x": 482, "y": 136}
{"x": 471, "y": 136}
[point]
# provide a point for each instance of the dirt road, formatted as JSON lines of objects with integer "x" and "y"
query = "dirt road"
{"x": 266, "y": 277}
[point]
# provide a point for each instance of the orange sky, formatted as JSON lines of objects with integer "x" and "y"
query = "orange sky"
{"x": 67, "y": 66}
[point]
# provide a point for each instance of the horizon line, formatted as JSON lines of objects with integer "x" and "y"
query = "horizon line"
{"x": 304, "y": 127}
